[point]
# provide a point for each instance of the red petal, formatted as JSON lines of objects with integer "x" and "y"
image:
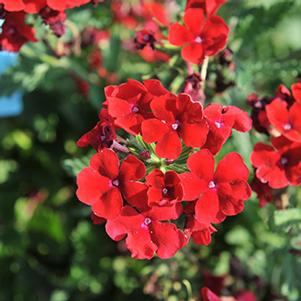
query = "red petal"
{"x": 119, "y": 107}
{"x": 106, "y": 163}
{"x": 194, "y": 134}
{"x": 91, "y": 185}
{"x": 140, "y": 244}
{"x": 128, "y": 220}
{"x": 178, "y": 34}
{"x": 278, "y": 114}
{"x": 132, "y": 168}
{"x": 193, "y": 186}
{"x": 207, "y": 207}
{"x": 168, "y": 239}
{"x": 155, "y": 87}
{"x": 153, "y": 130}
{"x": 193, "y": 53}
{"x": 164, "y": 107}
{"x": 202, "y": 164}
{"x": 165, "y": 213}
{"x": 230, "y": 168}
{"x": 296, "y": 89}
{"x": 169, "y": 146}
{"x": 295, "y": 121}
{"x": 194, "y": 19}
{"x": 135, "y": 194}
{"x": 109, "y": 204}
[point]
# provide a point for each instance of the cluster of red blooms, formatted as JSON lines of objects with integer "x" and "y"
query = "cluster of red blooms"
{"x": 162, "y": 171}
{"x": 203, "y": 33}
{"x": 278, "y": 164}
{"x": 15, "y": 32}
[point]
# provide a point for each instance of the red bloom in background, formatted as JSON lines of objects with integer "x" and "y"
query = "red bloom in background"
{"x": 62, "y": 5}
{"x": 209, "y": 6}
{"x": 129, "y": 103}
{"x": 164, "y": 189}
{"x": 218, "y": 193}
{"x": 263, "y": 191}
{"x": 102, "y": 135}
{"x": 103, "y": 184}
{"x": 199, "y": 36}
{"x": 278, "y": 164}
{"x": 246, "y": 296}
{"x": 286, "y": 120}
{"x": 221, "y": 120}
{"x": 176, "y": 117}
{"x": 208, "y": 295}
{"x": 146, "y": 234}
{"x": 15, "y": 32}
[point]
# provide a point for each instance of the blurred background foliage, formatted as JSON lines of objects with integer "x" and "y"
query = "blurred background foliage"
{"x": 49, "y": 248}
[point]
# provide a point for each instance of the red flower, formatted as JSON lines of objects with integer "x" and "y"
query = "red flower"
{"x": 209, "y": 6}
{"x": 286, "y": 120}
{"x": 278, "y": 164}
{"x": 129, "y": 103}
{"x": 146, "y": 234}
{"x": 221, "y": 120}
{"x": 219, "y": 194}
{"x": 15, "y": 32}
{"x": 199, "y": 36}
{"x": 102, "y": 135}
{"x": 263, "y": 191}
{"x": 208, "y": 295}
{"x": 164, "y": 189}
{"x": 177, "y": 117}
{"x": 12, "y": 6}
{"x": 103, "y": 185}
{"x": 246, "y": 296}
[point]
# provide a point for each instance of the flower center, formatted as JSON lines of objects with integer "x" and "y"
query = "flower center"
{"x": 147, "y": 221}
{"x": 135, "y": 109}
{"x": 175, "y": 126}
{"x": 287, "y": 127}
{"x": 211, "y": 185}
{"x": 198, "y": 40}
{"x": 115, "y": 182}
{"x": 218, "y": 124}
{"x": 283, "y": 161}
{"x": 165, "y": 191}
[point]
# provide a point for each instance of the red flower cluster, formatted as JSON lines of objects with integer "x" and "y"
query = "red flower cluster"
{"x": 162, "y": 169}
{"x": 278, "y": 164}
{"x": 15, "y": 32}
{"x": 202, "y": 34}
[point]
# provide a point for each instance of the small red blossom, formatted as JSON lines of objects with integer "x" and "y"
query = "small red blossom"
{"x": 263, "y": 191}
{"x": 296, "y": 90}
{"x": 145, "y": 232}
{"x": 199, "y": 36}
{"x": 221, "y": 120}
{"x": 15, "y": 32}
{"x": 164, "y": 189}
{"x": 176, "y": 117}
{"x": 55, "y": 20}
{"x": 278, "y": 164}
{"x": 286, "y": 120}
{"x": 102, "y": 135}
{"x": 208, "y": 295}
{"x": 104, "y": 184}
{"x": 218, "y": 193}
{"x": 129, "y": 103}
